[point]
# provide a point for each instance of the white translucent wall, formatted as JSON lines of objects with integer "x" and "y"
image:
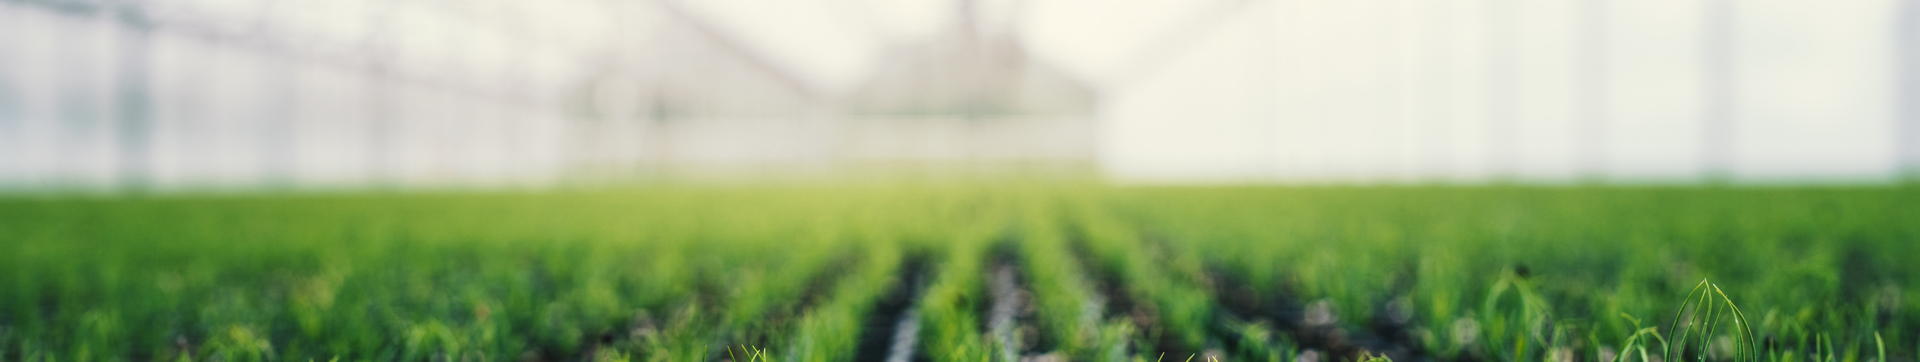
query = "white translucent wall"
{"x": 1385, "y": 90}
{"x": 206, "y": 94}
{"x": 352, "y": 93}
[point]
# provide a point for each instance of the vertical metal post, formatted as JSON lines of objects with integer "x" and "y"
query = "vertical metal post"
{"x": 133, "y": 97}
{"x": 1592, "y": 88}
{"x": 1907, "y": 89}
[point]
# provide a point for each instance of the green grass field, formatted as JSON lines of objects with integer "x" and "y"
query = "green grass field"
{"x": 1076, "y": 272}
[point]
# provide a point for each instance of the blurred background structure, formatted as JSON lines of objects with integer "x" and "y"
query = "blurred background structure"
{"x": 166, "y": 94}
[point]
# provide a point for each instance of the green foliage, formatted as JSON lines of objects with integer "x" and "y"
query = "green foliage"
{"x": 950, "y": 308}
{"x": 797, "y": 273}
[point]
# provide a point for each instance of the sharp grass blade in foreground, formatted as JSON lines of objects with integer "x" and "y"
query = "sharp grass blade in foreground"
{"x": 1879, "y": 348}
{"x": 1369, "y": 357}
{"x": 1241, "y": 273}
{"x": 1638, "y": 342}
{"x": 1695, "y": 323}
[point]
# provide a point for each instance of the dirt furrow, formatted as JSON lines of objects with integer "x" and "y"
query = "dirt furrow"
{"x": 1313, "y": 326}
{"x": 1114, "y": 298}
{"x": 1010, "y": 317}
{"x": 893, "y": 326}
